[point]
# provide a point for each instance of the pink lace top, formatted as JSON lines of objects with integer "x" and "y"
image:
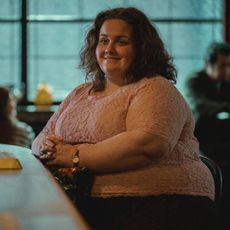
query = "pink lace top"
{"x": 161, "y": 110}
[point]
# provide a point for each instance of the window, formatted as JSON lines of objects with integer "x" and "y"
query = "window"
{"x": 41, "y": 39}
{"x": 10, "y": 40}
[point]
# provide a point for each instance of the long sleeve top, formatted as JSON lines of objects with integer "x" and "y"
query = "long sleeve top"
{"x": 160, "y": 110}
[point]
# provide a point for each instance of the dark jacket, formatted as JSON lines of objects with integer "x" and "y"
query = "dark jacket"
{"x": 208, "y": 96}
{"x": 210, "y": 102}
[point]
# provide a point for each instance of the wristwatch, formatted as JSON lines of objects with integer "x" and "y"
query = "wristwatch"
{"x": 75, "y": 159}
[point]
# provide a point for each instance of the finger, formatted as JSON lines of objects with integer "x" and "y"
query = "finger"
{"x": 46, "y": 149}
{"x": 47, "y": 156}
{"x": 49, "y": 143}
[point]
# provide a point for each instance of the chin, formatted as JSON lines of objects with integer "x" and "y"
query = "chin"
{"x": 110, "y": 72}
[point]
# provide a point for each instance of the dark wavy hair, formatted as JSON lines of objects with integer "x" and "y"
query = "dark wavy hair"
{"x": 4, "y": 99}
{"x": 215, "y": 49}
{"x": 151, "y": 57}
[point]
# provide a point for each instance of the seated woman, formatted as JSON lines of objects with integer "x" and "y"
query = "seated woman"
{"x": 13, "y": 131}
{"x": 131, "y": 127}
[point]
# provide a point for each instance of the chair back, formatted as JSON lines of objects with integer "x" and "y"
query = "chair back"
{"x": 217, "y": 176}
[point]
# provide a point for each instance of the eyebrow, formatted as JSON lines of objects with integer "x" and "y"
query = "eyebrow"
{"x": 120, "y": 36}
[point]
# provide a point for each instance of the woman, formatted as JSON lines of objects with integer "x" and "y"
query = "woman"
{"x": 131, "y": 127}
{"x": 12, "y": 131}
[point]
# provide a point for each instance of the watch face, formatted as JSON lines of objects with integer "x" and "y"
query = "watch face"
{"x": 75, "y": 160}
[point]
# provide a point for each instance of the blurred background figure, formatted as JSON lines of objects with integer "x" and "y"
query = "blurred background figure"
{"x": 209, "y": 94}
{"x": 12, "y": 130}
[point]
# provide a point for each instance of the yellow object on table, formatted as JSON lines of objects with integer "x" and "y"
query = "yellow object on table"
{"x": 9, "y": 162}
{"x": 43, "y": 95}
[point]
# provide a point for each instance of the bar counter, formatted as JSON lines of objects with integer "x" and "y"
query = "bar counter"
{"x": 30, "y": 199}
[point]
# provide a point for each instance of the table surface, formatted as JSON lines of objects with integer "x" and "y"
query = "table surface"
{"x": 30, "y": 199}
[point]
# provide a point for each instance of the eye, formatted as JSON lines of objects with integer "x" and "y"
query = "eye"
{"x": 122, "y": 41}
{"x": 103, "y": 41}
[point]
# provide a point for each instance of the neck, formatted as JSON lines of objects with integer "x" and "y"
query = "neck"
{"x": 111, "y": 85}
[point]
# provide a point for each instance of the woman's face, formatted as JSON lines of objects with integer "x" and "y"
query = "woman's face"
{"x": 115, "y": 48}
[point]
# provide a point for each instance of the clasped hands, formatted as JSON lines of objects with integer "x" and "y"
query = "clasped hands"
{"x": 54, "y": 151}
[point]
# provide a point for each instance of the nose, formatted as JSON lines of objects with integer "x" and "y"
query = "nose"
{"x": 108, "y": 52}
{"x": 109, "y": 49}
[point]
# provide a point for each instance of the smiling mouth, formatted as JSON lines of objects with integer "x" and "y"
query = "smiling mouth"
{"x": 113, "y": 58}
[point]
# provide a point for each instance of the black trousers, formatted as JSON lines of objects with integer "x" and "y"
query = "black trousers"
{"x": 179, "y": 212}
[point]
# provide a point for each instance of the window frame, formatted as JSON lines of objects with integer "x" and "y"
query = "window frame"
{"x": 25, "y": 20}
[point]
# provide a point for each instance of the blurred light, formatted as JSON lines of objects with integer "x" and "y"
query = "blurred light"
{"x": 223, "y": 115}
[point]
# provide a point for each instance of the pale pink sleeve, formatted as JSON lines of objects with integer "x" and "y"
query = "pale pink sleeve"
{"x": 159, "y": 109}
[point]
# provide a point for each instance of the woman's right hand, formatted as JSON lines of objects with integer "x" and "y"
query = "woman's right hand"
{"x": 48, "y": 147}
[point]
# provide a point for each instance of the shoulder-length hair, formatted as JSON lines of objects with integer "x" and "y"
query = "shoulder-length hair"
{"x": 151, "y": 58}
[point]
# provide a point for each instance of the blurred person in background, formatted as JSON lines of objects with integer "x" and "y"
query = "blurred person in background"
{"x": 12, "y": 131}
{"x": 209, "y": 96}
